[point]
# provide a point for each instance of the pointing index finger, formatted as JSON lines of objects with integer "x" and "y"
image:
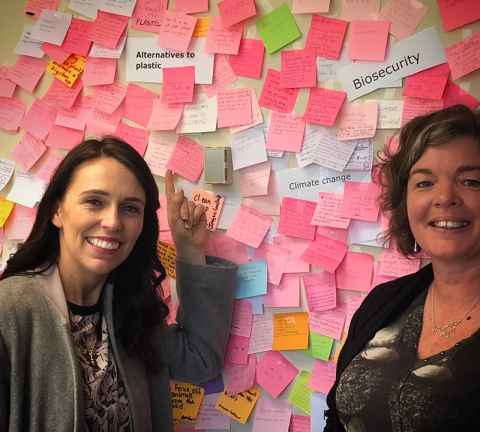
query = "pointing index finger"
{"x": 169, "y": 185}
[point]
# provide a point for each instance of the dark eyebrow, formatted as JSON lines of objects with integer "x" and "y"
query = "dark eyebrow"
{"x": 461, "y": 170}
{"x": 420, "y": 171}
{"x": 103, "y": 193}
{"x": 466, "y": 168}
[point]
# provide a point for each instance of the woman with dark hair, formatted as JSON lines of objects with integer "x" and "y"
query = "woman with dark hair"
{"x": 83, "y": 340}
{"x": 410, "y": 360}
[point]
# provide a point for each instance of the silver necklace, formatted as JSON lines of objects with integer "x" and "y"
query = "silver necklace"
{"x": 448, "y": 330}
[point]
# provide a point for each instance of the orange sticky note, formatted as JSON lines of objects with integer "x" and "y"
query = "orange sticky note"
{"x": 213, "y": 204}
{"x": 69, "y": 71}
{"x": 168, "y": 257}
{"x": 186, "y": 400}
{"x": 290, "y": 331}
{"x": 368, "y": 40}
{"x": 201, "y": 28}
{"x": 238, "y": 406}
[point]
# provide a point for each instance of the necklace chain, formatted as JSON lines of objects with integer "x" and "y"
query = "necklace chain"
{"x": 448, "y": 330}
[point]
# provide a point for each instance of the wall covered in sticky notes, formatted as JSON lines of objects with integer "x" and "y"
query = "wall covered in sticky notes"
{"x": 303, "y": 93}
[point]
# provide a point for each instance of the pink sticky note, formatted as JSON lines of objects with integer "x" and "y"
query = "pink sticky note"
{"x": 191, "y": 6}
{"x": 254, "y": 179}
{"x": 359, "y": 9}
{"x": 76, "y": 41}
{"x": 209, "y": 417}
{"x": 275, "y": 373}
{"x": 275, "y": 97}
{"x": 361, "y": 201}
{"x": 178, "y": 85}
{"x": 358, "y": 120}
{"x": 328, "y": 323}
{"x": 223, "y": 76}
{"x": 28, "y": 151}
{"x": 295, "y": 248}
{"x": 299, "y": 68}
{"x": 239, "y": 377}
{"x": 74, "y": 118}
{"x": 138, "y": 104}
{"x": 47, "y": 164}
{"x": 224, "y": 247}
{"x": 64, "y": 138}
{"x": 20, "y": 222}
{"x": 234, "y": 107}
{"x": 295, "y": 217}
{"x": 61, "y": 96}
{"x": 414, "y": 107}
{"x": 325, "y": 252}
{"x": 427, "y": 84}
{"x": 233, "y": 11}
{"x": 99, "y": 71}
{"x": 242, "y": 318}
{"x": 285, "y": 132}
{"x": 35, "y": 7}
{"x": 249, "y": 60}
{"x": 7, "y": 87}
{"x": 107, "y": 29}
{"x": 456, "y": 14}
{"x": 271, "y": 414}
{"x": 321, "y": 291}
{"x": 236, "y": 351}
{"x": 136, "y": 137}
{"x": 326, "y": 36}
{"x": 393, "y": 263}
{"x": 355, "y": 272}
{"x": 187, "y": 159}
{"x": 323, "y": 376}
{"x": 27, "y": 72}
{"x": 464, "y": 57}
{"x": 107, "y": 98}
{"x": 454, "y": 94}
{"x": 223, "y": 40}
{"x": 147, "y": 15}
{"x": 405, "y": 15}
{"x": 249, "y": 226}
{"x": 276, "y": 261}
{"x": 329, "y": 211}
{"x": 12, "y": 111}
{"x": 323, "y": 106}
{"x": 100, "y": 123}
{"x": 300, "y": 423}
{"x": 176, "y": 30}
{"x": 334, "y": 233}
{"x": 39, "y": 119}
{"x": 368, "y": 40}
{"x": 164, "y": 117}
{"x": 56, "y": 53}
{"x": 157, "y": 155}
{"x": 213, "y": 204}
{"x": 310, "y": 6}
{"x": 286, "y": 294}
{"x": 262, "y": 333}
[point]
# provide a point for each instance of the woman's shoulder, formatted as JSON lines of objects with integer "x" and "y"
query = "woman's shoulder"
{"x": 18, "y": 292}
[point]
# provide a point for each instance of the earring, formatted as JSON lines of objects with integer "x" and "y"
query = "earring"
{"x": 415, "y": 246}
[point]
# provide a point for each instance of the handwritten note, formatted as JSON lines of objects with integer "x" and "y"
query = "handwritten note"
{"x": 147, "y": 15}
{"x": 275, "y": 372}
{"x": 390, "y": 112}
{"x": 393, "y": 263}
{"x": 248, "y": 148}
{"x": 199, "y": 117}
{"x": 35, "y": 7}
{"x": 254, "y": 179}
{"x": 236, "y": 351}
{"x": 358, "y": 120}
{"x": 167, "y": 255}
{"x": 359, "y": 9}
{"x": 287, "y": 292}
{"x": 234, "y": 107}
{"x": 28, "y": 46}
{"x": 278, "y": 28}
{"x": 285, "y": 132}
{"x": 99, "y": 71}
{"x": 238, "y": 406}
{"x": 164, "y": 117}
{"x": 75, "y": 41}
{"x": 139, "y": 104}
{"x": 355, "y": 272}
{"x": 326, "y": 36}
{"x": 300, "y": 423}
{"x": 27, "y": 72}
{"x": 120, "y": 7}
{"x": 51, "y": 26}
{"x": 456, "y": 14}
{"x": 12, "y": 111}
{"x": 320, "y": 289}
{"x": 107, "y": 98}
{"x": 62, "y": 137}
{"x": 209, "y": 417}
{"x": 274, "y": 97}
{"x": 310, "y": 6}
{"x": 323, "y": 376}
{"x": 428, "y": 84}
{"x": 176, "y": 30}
{"x": 186, "y": 400}
{"x": 178, "y": 85}
{"x": 187, "y": 159}
{"x": 325, "y": 252}
{"x": 454, "y": 94}
{"x": 136, "y": 137}
{"x": 464, "y": 57}
{"x": 328, "y": 211}
{"x": 261, "y": 338}
{"x": 28, "y": 151}
{"x": 56, "y": 53}
{"x": 299, "y": 395}
{"x": 405, "y": 15}
{"x": 368, "y": 40}
{"x": 251, "y": 279}
{"x": 328, "y": 323}
{"x": 191, "y": 6}
{"x": 324, "y": 105}
{"x": 414, "y": 107}
{"x": 295, "y": 217}
{"x": 360, "y": 201}
{"x": 290, "y": 331}
{"x": 234, "y": 11}
{"x": 213, "y": 204}
{"x": 320, "y": 346}
{"x": 299, "y": 69}
{"x": 69, "y": 71}
{"x": 249, "y": 60}
{"x": 39, "y": 120}
{"x": 249, "y": 226}
{"x": 20, "y": 222}
{"x": 272, "y": 415}
{"x": 107, "y": 29}
{"x": 222, "y": 40}
{"x": 239, "y": 378}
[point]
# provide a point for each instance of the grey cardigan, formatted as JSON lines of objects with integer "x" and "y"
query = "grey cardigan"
{"x": 40, "y": 381}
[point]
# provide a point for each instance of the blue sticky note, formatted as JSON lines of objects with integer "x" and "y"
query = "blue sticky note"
{"x": 251, "y": 279}
{"x": 318, "y": 402}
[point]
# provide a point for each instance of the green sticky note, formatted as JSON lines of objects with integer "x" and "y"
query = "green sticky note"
{"x": 278, "y": 29}
{"x": 299, "y": 395}
{"x": 320, "y": 346}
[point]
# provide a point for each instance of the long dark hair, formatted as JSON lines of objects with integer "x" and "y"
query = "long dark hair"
{"x": 137, "y": 306}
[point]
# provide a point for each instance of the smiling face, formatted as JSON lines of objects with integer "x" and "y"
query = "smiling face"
{"x": 443, "y": 201}
{"x": 99, "y": 220}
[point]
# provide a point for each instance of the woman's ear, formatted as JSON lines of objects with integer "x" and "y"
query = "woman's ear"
{"x": 57, "y": 216}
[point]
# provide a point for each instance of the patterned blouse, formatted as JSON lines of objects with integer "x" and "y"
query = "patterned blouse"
{"x": 106, "y": 403}
{"x": 386, "y": 387}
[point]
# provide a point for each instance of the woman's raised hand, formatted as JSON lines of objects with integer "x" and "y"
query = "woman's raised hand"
{"x": 187, "y": 223}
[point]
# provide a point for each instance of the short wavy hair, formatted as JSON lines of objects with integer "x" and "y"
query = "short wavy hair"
{"x": 416, "y": 136}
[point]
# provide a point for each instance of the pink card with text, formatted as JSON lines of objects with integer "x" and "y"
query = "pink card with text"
{"x": 275, "y": 373}
{"x": 324, "y": 105}
{"x": 275, "y": 97}
{"x": 326, "y": 36}
{"x": 321, "y": 291}
{"x": 178, "y": 85}
{"x": 295, "y": 217}
{"x": 187, "y": 159}
{"x": 299, "y": 68}
{"x": 355, "y": 272}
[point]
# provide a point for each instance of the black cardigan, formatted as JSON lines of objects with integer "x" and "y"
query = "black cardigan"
{"x": 381, "y": 307}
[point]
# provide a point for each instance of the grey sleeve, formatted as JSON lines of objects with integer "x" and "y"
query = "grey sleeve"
{"x": 4, "y": 386}
{"x": 194, "y": 348}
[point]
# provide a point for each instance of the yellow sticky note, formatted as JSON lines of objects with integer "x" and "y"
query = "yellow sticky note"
{"x": 69, "y": 71}
{"x": 201, "y": 28}
{"x": 238, "y": 406}
{"x": 168, "y": 257}
{"x": 300, "y": 393}
{"x": 290, "y": 331}
{"x": 186, "y": 400}
{"x": 6, "y": 208}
